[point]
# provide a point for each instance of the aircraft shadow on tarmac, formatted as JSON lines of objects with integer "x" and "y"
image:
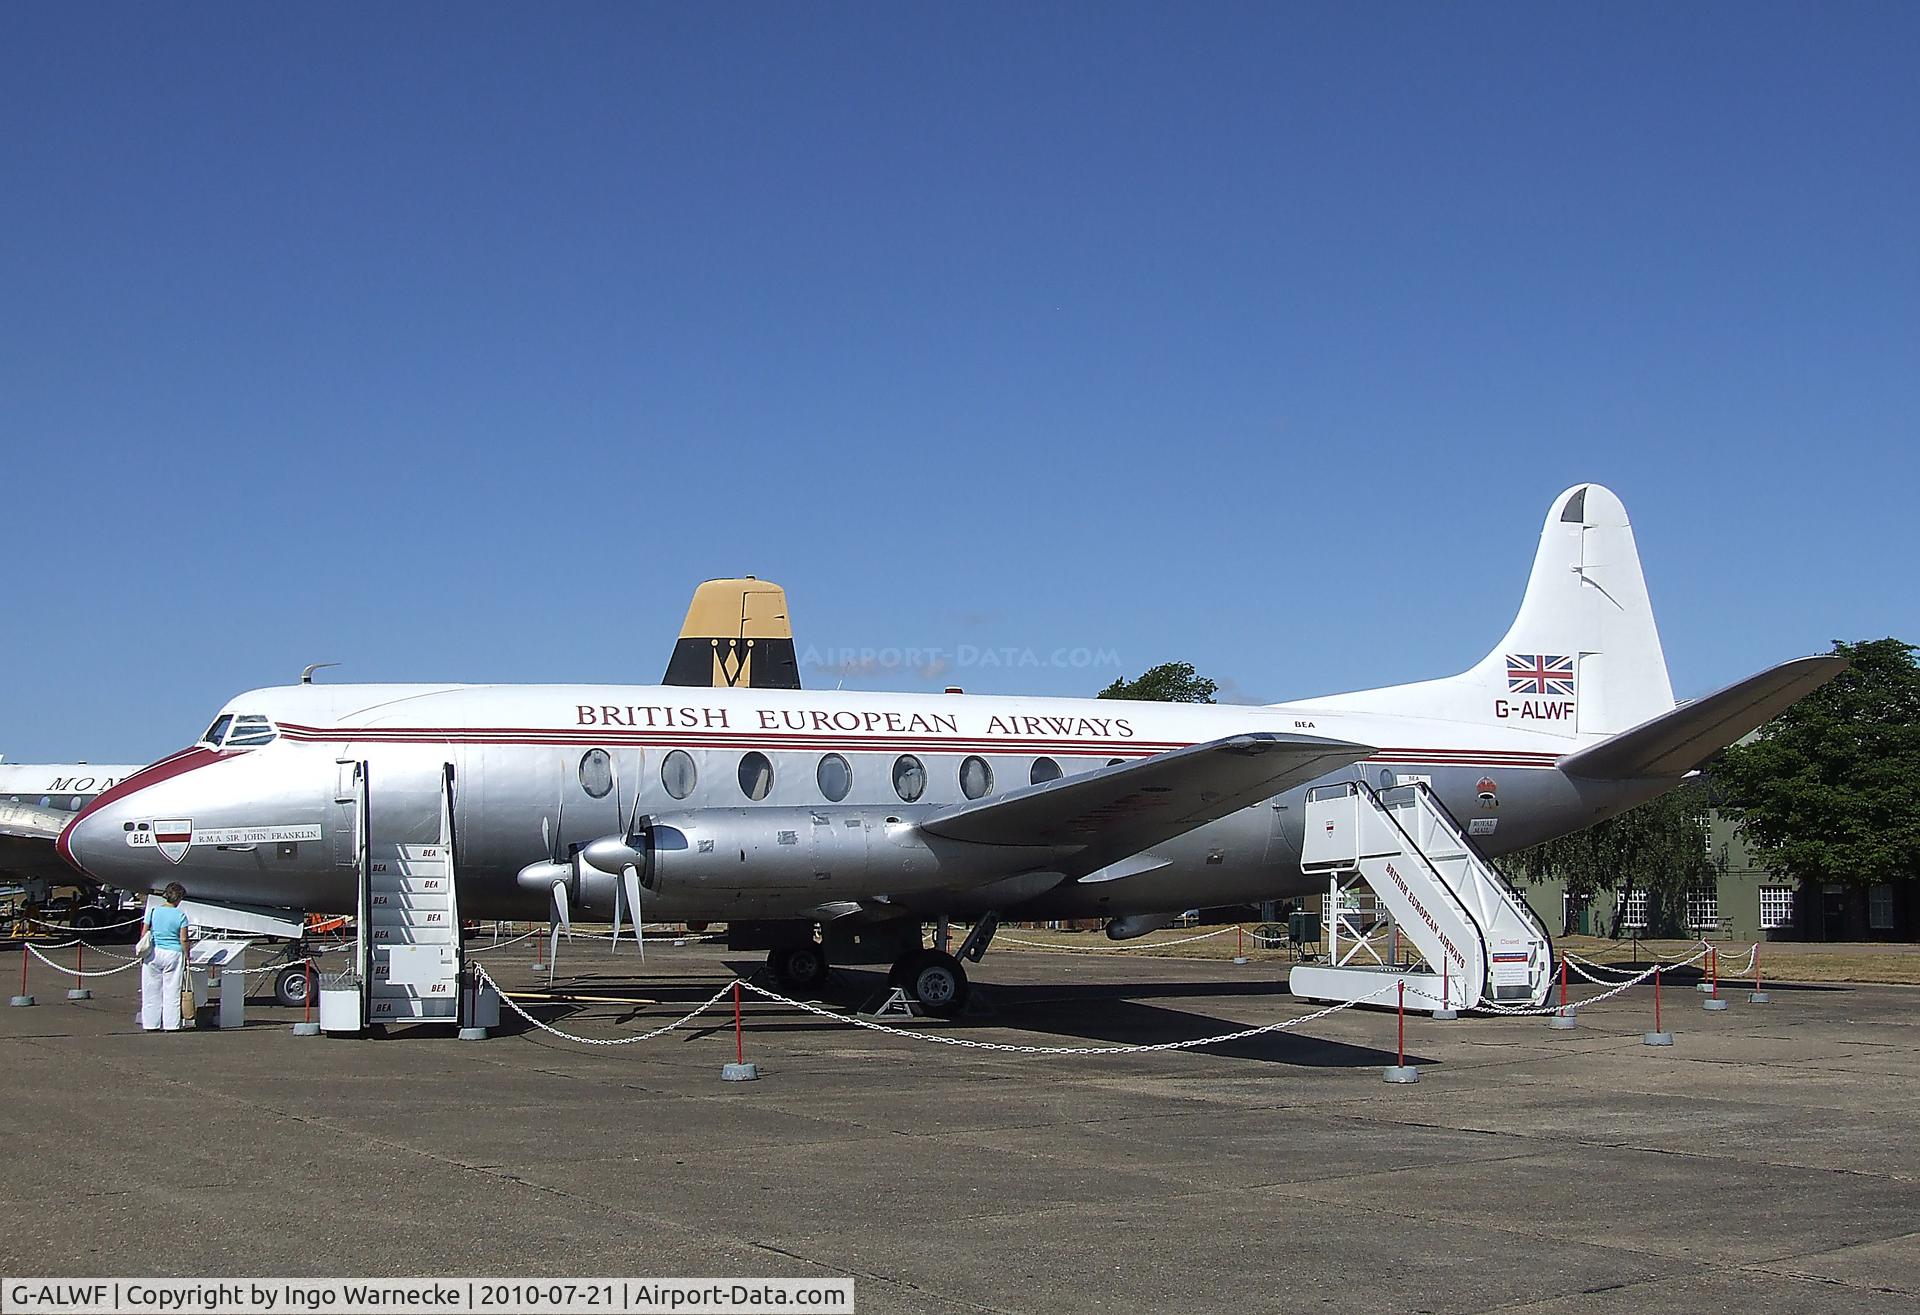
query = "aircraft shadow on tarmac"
{"x": 1064, "y": 1014}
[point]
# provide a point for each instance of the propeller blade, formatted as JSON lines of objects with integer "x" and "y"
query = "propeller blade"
{"x": 561, "y": 917}
{"x": 619, "y": 903}
{"x": 630, "y": 886}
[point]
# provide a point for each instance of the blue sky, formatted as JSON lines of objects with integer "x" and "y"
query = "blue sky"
{"x": 458, "y": 342}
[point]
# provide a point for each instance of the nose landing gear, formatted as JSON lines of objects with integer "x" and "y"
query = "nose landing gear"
{"x": 799, "y": 967}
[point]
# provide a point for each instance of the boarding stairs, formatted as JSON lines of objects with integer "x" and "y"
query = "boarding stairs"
{"x": 1480, "y": 941}
{"x": 409, "y": 962}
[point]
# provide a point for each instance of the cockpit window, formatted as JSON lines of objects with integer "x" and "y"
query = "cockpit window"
{"x": 217, "y": 731}
{"x": 250, "y": 733}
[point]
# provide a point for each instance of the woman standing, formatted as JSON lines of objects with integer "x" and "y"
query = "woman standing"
{"x": 163, "y": 974}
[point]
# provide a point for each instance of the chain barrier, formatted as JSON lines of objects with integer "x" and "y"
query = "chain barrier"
{"x": 1572, "y": 1006}
{"x": 514, "y": 1005}
{"x": 1113, "y": 949}
{"x": 34, "y": 950}
{"x": 501, "y": 945}
{"x": 74, "y": 926}
{"x": 932, "y": 1037}
{"x": 1009, "y": 1048}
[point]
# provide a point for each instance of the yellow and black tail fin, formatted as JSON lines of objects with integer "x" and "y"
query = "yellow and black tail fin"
{"x": 736, "y": 634}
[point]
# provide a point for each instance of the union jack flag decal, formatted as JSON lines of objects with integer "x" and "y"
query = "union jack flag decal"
{"x": 1539, "y": 673}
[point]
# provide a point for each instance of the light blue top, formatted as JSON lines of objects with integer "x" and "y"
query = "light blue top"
{"x": 166, "y": 922}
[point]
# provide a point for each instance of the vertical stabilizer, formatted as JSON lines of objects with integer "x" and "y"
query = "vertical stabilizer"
{"x": 736, "y": 634}
{"x": 1582, "y": 657}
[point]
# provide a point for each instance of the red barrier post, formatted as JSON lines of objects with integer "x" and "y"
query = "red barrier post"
{"x": 1446, "y": 978}
{"x": 306, "y": 1015}
{"x": 1563, "y": 984}
{"x": 1400, "y": 1048}
{"x": 1659, "y": 1036}
{"x": 739, "y": 1043}
{"x": 80, "y": 963}
{"x": 1713, "y": 960}
{"x": 23, "y": 967}
{"x": 1240, "y": 940}
{"x": 1759, "y": 994}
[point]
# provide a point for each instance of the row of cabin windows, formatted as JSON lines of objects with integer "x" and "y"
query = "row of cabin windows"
{"x": 833, "y": 774}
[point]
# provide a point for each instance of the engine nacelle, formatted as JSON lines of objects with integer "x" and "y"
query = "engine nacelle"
{"x": 840, "y": 853}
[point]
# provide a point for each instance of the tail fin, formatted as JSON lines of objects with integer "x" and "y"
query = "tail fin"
{"x": 736, "y": 633}
{"x": 1582, "y": 657}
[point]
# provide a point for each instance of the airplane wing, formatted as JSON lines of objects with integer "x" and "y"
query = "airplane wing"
{"x": 1674, "y": 743}
{"x": 27, "y": 833}
{"x": 1117, "y": 811}
{"x": 736, "y": 634}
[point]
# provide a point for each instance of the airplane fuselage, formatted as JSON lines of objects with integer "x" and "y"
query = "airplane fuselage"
{"x": 539, "y": 769}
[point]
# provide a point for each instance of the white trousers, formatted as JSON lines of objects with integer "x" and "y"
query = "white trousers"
{"x": 160, "y": 980}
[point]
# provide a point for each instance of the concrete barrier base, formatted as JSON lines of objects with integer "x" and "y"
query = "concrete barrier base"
{"x": 1563, "y": 1020}
{"x": 1759, "y": 997}
{"x": 306, "y": 1029}
{"x": 1715, "y": 1002}
{"x": 739, "y": 1072}
{"x": 1446, "y": 1015}
{"x": 1656, "y": 1039}
{"x": 20, "y": 1001}
{"x": 1401, "y": 1073}
{"x": 79, "y": 993}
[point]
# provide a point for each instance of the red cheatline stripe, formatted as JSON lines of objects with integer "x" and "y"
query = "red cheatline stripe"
{"x": 1509, "y": 758}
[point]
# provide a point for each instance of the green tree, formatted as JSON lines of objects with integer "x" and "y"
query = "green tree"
{"x": 1659, "y": 847}
{"x": 1170, "y": 682}
{"x": 1830, "y": 789}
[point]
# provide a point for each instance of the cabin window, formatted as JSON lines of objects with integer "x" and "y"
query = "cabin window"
{"x": 756, "y": 775}
{"x": 909, "y": 777}
{"x": 596, "y": 773}
{"x": 976, "y": 777}
{"x": 835, "y": 777}
{"x": 1044, "y": 769}
{"x": 678, "y": 774}
{"x": 250, "y": 733}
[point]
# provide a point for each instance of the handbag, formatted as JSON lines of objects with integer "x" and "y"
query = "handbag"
{"x": 186, "y": 1003}
{"x": 143, "y": 948}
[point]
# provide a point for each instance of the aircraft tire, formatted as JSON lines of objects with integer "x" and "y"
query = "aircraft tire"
{"x": 290, "y": 986}
{"x": 799, "y": 967}
{"x": 938, "y": 982}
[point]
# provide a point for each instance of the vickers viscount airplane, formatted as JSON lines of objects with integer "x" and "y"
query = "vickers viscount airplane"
{"x": 866, "y": 815}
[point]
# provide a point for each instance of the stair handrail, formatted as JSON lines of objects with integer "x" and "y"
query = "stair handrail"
{"x": 1452, "y": 823}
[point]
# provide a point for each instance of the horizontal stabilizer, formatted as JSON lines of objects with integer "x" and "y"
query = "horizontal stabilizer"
{"x": 1117, "y": 811}
{"x": 1674, "y": 743}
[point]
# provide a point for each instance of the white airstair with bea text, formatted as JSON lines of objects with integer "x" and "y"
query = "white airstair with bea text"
{"x": 1480, "y": 941}
{"x": 408, "y": 961}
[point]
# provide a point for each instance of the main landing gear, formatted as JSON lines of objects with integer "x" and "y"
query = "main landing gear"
{"x": 799, "y": 967}
{"x": 935, "y": 979}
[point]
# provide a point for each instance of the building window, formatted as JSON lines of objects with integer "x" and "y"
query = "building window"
{"x": 1776, "y": 906}
{"x": 976, "y": 777}
{"x": 835, "y": 777}
{"x": 1703, "y": 908}
{"x": 1880, "y": 907}
{"x": 596, "y": 773}
{"x": 1044, "y": 769}
{"x": 909, "y": 777}
{"x": 756, "y": 775}
{"x": 677, "y": 774}
{"x": 1633, "y": 906}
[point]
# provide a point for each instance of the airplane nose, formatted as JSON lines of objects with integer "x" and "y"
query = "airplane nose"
{"x": 81, "y": 839}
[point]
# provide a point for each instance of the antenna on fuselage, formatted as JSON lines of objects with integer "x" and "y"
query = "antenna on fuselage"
{"x": 306, "y": 675}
